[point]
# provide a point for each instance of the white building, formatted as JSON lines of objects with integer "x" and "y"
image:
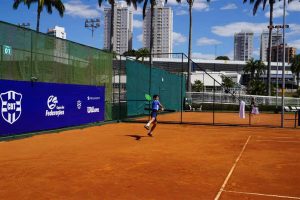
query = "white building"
{"x": 60, "y": 50}
{"x": 57, "y": 32}
{"x": 243, "y": 46}
{"x": 163, "y": 30}
{"x": 264, "y": 40}
{"x": 123, "y": 28}
{"x": 208, "y": 79}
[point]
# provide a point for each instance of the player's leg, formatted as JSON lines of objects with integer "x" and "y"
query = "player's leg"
{"x": 153, "y": 118}
{"x": 152, "y": 128}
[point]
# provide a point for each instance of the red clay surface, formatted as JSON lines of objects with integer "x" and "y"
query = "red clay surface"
{"x": 118, "y": 161}
{"x": 263, "y": 119}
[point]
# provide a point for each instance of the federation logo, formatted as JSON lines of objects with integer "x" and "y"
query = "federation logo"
{"x": 54, "y": 109}
{"x": 51, "y": 102}
{"x": 11, "y": 108}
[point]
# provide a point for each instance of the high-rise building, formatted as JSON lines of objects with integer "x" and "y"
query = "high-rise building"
{"x": 243, "y": 45}
{"x": 264, "y": 41}
{"x": 123, "y": 27}
{"x": 162, "y": 30}
{"x": 57, "y": 32}
{"x": 290, "y": 53}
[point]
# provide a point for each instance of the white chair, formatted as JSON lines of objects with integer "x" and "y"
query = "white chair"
{"x": 287, "y": 109}
{"x": 293, "y": 109}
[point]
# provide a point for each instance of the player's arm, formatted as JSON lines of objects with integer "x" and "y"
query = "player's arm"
{"x": 161, "y": 106}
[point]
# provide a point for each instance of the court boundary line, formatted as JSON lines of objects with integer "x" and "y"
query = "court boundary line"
{"x": 232, "y": 169}
{"x": 260, "y": 194}
{"x": 280, "y": 141}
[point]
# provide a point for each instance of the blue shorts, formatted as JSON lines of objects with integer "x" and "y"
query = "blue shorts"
{"x": 154, "y": 114}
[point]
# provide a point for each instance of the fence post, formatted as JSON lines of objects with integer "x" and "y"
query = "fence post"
{"x": 298, "y": 117}
{"x": 119, "y": 73}
{"x": 181, "y": 95}
{"x": 214, "y": 98}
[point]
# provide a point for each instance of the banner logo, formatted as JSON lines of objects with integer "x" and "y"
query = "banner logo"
{"x": 93, "y": 110}
{"x": 79, "y": 104}
{"x": 54, "y": 110}
{"x": 11, "y": 108}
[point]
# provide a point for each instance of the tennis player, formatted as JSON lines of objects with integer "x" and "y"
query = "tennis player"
{"x": 156, "y": 106}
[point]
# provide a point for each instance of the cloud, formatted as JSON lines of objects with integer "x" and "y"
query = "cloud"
{"x": 232, "y": 28}
{"x": 140, "y": 38}
{"x": 201, "y": 6}
{"x": 137, "y": 24}
{"x": 230, "y": 55}
{"x": 181, "y": 12}
{"x": 137, "y": 11}
{"x": 295, "y": 43}
{"x": 293, "y": 30}
{"x": 230, "y": 6}
{"x": 203, "y": 56}
{"x": 294, "y": 6}
{"x": 204, "y": 41}
{"x": 178, "y": 38}
{"x": 76, "y": 8}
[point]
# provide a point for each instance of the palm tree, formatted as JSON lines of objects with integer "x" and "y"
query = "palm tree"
{"x": 295, "y": 68}
{"x": 255, "y": 68}
{"x": 152, "y": 4}
{"x": 142, "y": 53}
{"x": 112, "y": 4}
{"x": 250, "y": 68}
{"x": 48, "y": 4}
{"x": 257, "y": 3}
{"x": 191, "y": 3}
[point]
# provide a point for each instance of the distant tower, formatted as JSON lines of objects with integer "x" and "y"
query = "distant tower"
{"x": 264, "y": 40}
{"x": 163, "y": 30}
{"x": 123, "y": 28}
{"x": 243, "y": 46}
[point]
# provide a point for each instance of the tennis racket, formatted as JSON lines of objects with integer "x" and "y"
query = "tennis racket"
{"x": 148, "y": 97}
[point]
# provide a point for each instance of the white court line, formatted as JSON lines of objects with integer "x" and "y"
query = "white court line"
{"x": 265, "y": 195}
{"x": 278, "y": 141}
{"x": 232, "y": 169}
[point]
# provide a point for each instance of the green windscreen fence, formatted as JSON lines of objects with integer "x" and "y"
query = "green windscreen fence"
{"x": 169, "y": 86}
{"x": 26, "y": 54}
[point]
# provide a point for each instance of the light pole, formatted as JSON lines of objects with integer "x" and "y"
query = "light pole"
{"x": 92, "y": 24}
{"x": 283, "y": 65}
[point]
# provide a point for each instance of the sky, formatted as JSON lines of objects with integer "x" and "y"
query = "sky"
{"x": 214, "y": 24}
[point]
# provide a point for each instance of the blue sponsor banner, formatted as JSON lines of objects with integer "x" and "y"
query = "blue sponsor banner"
{"x": 34, "y": 106}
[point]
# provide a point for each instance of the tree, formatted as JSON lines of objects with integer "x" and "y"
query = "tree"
{"x": 112, "y": 4}
{"x": 227, "y": 82}
{"x": 131, "y": 52}
{"x": 222, "y": 58}
{"x": 142, "y": 53}
{"x": 152, "y": 4}
{"x": 295, "y": 68}
{"x": 257, "y": 3}
{"x": 198, "y": 86}
{"x": 255, "y": 68}
{"x": 48, "y": 4}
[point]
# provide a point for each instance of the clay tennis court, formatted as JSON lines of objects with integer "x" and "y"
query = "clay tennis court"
{"x": 118, "y": 161}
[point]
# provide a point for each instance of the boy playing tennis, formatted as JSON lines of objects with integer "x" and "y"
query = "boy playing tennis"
{"x": 156, "y": 105}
